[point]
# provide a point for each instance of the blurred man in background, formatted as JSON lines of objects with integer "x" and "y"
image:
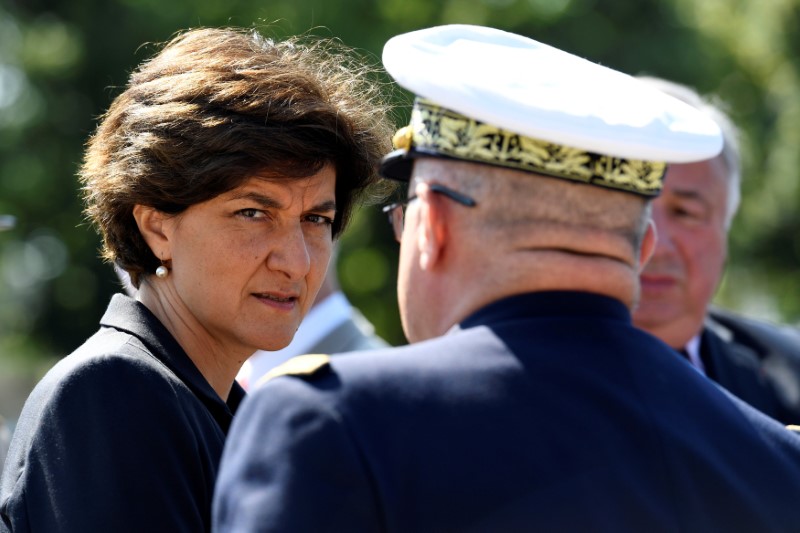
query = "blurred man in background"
{"x": 757, "y": 361}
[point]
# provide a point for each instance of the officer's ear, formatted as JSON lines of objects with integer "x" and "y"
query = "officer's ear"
{"x": 432, "y": 229}
{"x": 648, "y": 245}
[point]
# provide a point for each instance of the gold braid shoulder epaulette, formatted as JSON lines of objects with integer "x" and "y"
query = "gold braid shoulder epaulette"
{"x": 302, "y": 365}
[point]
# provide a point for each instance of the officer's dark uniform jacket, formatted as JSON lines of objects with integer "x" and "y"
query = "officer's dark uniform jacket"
{"x": 123, "y": 435}
{"x": 541, "y": 412}
{"x": 757, "y": 361}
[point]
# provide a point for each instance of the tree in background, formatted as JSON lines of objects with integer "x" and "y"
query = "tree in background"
{"x": 61, "y": 63}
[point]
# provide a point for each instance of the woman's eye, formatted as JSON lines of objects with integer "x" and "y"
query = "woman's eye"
{"x": 320, "y": 220}
{"x": 250, "y": 213}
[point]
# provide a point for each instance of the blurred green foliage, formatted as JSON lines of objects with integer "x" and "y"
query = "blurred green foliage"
{"x": 62, "y": 62}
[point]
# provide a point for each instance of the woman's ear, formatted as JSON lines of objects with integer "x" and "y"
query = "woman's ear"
{"x": 152, "y": 226}
{"x": 432, "y": 233}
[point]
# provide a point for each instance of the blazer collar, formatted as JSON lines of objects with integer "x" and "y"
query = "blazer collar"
{"x": 128, "y": 315}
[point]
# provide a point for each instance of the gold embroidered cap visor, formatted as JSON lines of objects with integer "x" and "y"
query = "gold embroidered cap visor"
{"x": 493, "y": 97}
{"x": 438, "y": 132}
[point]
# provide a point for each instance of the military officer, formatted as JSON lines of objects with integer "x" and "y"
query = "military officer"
{"x": 527, "y": 400}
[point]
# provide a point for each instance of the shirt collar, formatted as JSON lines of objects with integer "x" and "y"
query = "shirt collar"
{"x": 693, "y": 351}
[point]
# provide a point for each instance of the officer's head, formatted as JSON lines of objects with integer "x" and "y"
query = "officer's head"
{"x": 528, "y": 169}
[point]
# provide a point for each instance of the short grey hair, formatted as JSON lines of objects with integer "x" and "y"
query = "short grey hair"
{"x": 714, "y": 108}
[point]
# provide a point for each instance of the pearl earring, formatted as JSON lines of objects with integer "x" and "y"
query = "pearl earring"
{"x": 162, "y": 272}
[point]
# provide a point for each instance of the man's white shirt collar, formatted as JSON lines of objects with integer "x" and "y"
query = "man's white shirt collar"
{"x": 693, "y": 350}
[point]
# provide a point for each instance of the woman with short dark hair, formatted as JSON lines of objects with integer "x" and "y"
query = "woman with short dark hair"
{"x": 218, "y": 181}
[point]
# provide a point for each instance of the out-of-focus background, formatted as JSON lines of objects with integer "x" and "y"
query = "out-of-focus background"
{"x": 62, "y": 62}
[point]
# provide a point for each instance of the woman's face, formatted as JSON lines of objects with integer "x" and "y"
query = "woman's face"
{"x": 247, "y": 264}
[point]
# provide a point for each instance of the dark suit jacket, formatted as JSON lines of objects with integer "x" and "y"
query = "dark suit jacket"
{"x": 757, "y": 361}
{"x": 542, "y": 412}
{"x": 123, "y": 435}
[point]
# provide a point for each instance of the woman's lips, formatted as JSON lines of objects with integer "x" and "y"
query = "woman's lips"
{"x": 282, "y": 301}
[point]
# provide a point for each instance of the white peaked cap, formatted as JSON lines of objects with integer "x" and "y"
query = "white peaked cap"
{"x": 535, "y": 90}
